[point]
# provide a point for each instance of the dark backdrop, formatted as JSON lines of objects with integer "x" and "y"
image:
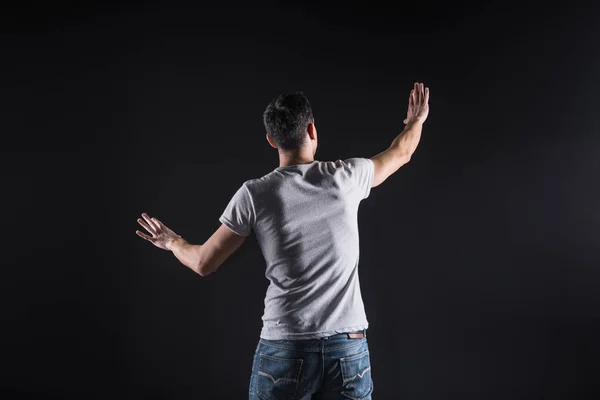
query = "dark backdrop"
{"x": 479, "y": 259}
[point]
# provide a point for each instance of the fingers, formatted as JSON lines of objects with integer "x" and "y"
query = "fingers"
{"x": 144, "y": 236}
{"x": 153, "y": 224}
{"x": 158, "y": 224}
{"x": 420, "y": 94}
{"x": 415, "y": 94}
{"x": 146, "y": 226}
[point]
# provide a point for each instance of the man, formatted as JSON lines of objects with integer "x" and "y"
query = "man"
{"x": 313, "y": 341}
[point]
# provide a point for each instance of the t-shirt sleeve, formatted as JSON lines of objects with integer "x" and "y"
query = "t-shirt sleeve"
{"x": 362, "y": 172}
{"x": 239, "y": 213}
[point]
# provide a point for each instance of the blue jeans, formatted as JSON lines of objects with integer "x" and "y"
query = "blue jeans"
{"x": 335, "y": 367}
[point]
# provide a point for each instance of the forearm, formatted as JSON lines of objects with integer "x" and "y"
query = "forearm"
{"x": 188, "y": 254}
{"x": 405, "y": 144}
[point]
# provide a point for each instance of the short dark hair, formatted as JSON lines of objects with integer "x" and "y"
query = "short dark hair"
{"x": 286, "y": 119}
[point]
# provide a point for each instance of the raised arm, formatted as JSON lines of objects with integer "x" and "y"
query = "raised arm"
{"x": 404, "y": 145}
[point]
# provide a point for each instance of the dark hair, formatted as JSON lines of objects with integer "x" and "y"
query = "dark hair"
{"x": 286, "y": 119}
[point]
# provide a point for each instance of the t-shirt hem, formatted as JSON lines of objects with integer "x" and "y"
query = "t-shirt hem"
{"x": 311, "y": 335}
{"x": 231, "y": 226}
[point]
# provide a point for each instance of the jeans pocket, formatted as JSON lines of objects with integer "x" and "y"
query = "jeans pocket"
{"x": 278, "y": 377}
{"x": 356, "y": 375}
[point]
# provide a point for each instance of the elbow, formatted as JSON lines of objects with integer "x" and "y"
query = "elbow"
{"x": 202, "y": 269}
{"x": 202, "y": 272}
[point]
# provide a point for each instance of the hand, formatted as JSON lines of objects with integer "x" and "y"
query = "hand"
{"x": 418, "y": 104}
{"x": 161, "y": 236}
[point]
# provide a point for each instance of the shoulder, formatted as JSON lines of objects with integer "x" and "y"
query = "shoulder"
{"x": 258, "y": 185}
{"x": 357, "y": 162}
{"x": 358, "y": 165}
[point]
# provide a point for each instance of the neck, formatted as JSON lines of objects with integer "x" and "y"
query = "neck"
{"x": 296, "y": 157}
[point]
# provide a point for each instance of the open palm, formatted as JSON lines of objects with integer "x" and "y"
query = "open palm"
{"x": 159, "y": 234}
{"x": 418, "y": 104}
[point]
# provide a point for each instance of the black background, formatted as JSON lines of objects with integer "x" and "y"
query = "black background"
{"x": 480, "y": 261}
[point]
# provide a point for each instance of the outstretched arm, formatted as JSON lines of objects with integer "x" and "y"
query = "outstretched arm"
{"x": 202, "y": 259}
{"x": 404, "y": 145}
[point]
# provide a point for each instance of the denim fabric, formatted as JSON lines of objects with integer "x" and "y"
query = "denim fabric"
{"x": 334, "y": 367}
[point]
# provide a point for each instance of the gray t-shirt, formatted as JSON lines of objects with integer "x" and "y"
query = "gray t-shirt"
{"x": 305, "y": 218}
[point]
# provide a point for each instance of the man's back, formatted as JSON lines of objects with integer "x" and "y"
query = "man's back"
{"x": 305, "y": 220}
{"x": 304, "y": 214}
